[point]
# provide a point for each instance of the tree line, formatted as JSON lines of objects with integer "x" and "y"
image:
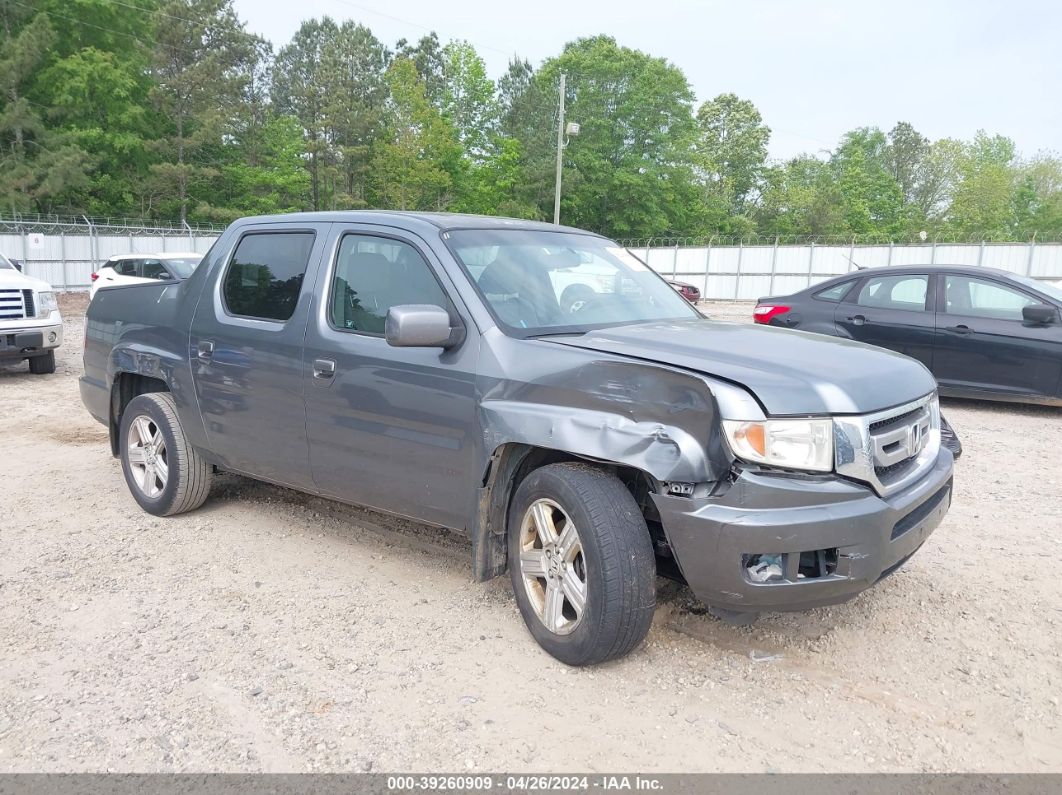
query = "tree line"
{"x": 172, "y": 109}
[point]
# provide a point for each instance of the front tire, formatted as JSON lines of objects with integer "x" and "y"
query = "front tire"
{"x": 581, "y": 563}
{"x": 43, "y": 365}
{"x": 165, "y": 474}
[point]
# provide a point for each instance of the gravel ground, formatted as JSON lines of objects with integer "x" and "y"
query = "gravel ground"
{"x": 271, "y": 631}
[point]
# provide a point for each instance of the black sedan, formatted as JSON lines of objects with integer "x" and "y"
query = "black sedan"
{"x": 983, "y": 333}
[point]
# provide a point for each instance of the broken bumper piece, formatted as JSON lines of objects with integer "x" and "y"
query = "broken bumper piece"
{"x": 772, "y": 542}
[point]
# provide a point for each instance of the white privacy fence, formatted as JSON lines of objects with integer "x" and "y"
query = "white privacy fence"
{"x": 65, "y": 252}
{"x": 748, "y": 272}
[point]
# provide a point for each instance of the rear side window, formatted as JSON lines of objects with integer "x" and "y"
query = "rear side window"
{"x": 835, "y": 293}
{"x": 264, "y": 277}
{"x": 906, "y": 292}
{"x": 125, "y": 267}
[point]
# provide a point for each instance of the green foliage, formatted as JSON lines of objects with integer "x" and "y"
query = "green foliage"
{"x": 637, "y": 132}
{"x": 170, "y": 108}
{"x": 413, "y": 168}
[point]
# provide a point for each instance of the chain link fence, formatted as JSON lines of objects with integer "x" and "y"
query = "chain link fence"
{"x": 65, "y": 251}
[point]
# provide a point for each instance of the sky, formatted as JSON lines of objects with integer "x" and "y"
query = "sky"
{"x": 815, "y": 69}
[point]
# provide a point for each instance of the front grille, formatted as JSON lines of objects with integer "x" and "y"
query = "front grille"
{"x": 897, "y": 441}
{"x": 889, "y": 449}
{"x": 915, "y": 517}
{"x": 27, "y": 299}
{"x": 889, "y": 422}
{"x": 12, "y": 305}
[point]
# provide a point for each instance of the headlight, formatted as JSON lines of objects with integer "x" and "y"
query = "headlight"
{"x": 792, "y": 444}
{"x": 46, "y": 303}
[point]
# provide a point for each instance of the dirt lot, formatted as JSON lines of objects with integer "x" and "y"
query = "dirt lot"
{"x": 277, "y": 632}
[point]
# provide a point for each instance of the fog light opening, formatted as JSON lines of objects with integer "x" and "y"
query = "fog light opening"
{"x": 817, "y": 563}
{"x": 764, "y": 567}
{"x": 51, "y": 336}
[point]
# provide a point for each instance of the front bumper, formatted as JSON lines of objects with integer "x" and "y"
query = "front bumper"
{"x": 765, "y": 514}
{"x": 22, "y": 343}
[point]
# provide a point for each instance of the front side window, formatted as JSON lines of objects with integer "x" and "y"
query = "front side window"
{"x": 539, "y": 282}
{"x": 981, "y": 298}
{"x": 375, "y": 273}
{"x": 153, "y": 269}
{"x": 895, "y": 292}
{"x": 264, "y": 277}
{"x": 182, "y": 268}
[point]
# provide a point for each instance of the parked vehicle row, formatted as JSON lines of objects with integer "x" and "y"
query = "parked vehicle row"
{"x": 427, "y": 365}
{"x": 983, "y": 333}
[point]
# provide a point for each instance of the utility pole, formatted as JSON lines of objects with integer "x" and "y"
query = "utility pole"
{"x": 560, "y": 153}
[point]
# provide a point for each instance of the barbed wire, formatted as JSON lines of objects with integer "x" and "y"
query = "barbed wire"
{"x": 667, "y": 241}
{"x": 18, "y": 223}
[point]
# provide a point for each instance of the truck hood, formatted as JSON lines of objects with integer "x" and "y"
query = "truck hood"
{"x": 789, "y": 372}
{"x": 12, "y": 278}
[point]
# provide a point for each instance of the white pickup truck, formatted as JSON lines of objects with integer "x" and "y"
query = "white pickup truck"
{"x": 30, "y": 324}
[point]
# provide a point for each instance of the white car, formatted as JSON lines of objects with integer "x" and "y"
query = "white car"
{"x": 138, "y": 268}
{"x": 30, "y": 324}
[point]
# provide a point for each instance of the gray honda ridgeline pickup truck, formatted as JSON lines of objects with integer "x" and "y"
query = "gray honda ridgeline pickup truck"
{"x": 430, "y": 366}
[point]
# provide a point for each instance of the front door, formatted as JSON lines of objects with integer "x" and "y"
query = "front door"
{"x": 246, "y": 352}
{"x": 891, "y": 311}
{"x": 983, "y": 342}
{"x": 390, "y": 428}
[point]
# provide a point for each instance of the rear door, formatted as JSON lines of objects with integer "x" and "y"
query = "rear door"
{"x": 984, "y": 344}
{"x": 893, "y": 311}
{"x": 246, "y": 351}
{"x": 390, "y": 428}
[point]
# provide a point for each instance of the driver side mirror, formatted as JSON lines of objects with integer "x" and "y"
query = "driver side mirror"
{"x": 1039, "y": 314}
{"x": 421, "y": 326}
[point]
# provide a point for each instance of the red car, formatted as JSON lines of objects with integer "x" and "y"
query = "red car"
{"x": 687, "y": 291}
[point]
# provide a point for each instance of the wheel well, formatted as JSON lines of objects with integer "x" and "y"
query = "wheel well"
{"x": 127, "y": 386}
{"x": 508, "y": 467}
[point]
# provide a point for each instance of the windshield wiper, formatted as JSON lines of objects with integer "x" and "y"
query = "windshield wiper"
{"x": 555, "y": 334}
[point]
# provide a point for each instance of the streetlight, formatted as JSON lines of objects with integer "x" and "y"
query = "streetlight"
{"x": 571, "y": 131}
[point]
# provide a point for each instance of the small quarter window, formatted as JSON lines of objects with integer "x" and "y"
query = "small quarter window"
{"x": 265, "y": 274}
{"x": 835, "y": 293}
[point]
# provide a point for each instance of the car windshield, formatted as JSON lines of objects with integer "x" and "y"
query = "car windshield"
{"x": 538, "y": 283}
{"x": 182, "y": 268}
{"x": 1046, "y": 288}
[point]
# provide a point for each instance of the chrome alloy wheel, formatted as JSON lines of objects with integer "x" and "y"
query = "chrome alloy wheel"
{"x": 552, "y": 566}
{"x": 147, "y": 456}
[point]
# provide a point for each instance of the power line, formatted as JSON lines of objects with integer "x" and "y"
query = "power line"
{"x": 507, "y": 53}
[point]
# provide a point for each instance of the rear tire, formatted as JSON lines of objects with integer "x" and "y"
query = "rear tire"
{"x": 165, "y": 474}
{"x": 596, "y": 551}
{"x": 43, "y": 365}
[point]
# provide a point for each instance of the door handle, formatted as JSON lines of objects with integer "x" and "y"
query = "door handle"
{"x": 961, "y": 329}
{"x": 858, "y": 320}
{"x": 205, "y": 350}
{"x": 324, "y": 369}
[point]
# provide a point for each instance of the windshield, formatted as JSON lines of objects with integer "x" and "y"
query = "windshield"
{"x": 538, "y": 283}
{"x": 182, "y": 268}
{"x": 1046, "y": 288}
